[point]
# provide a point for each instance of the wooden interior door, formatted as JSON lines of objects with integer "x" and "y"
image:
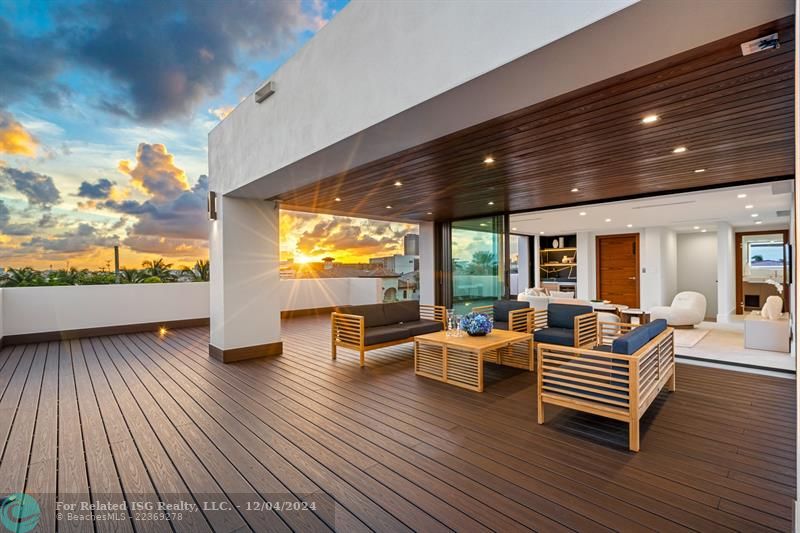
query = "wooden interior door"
{"x": 618, "y": 269}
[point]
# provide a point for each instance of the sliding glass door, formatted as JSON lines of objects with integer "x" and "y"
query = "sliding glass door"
{"x": 478, "y": 262}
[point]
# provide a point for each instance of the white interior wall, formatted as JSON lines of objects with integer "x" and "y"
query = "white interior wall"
{"x": 524, "y": 280}
{"x": 697, "y": 266}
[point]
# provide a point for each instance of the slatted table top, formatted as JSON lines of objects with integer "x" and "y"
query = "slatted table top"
{"x": 498, "y": 337}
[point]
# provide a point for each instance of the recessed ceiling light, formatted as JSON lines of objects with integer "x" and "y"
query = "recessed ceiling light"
{"x": 388, "y": 207}
{"x": 703, "y": 230}
{"x": 754, "y": 215}
{"x": 649, "y": 119}
{"x": 696, "y": 227}
{"x": 742, "y": 195}
{"x": 574, "y": 189}
{"x": 608, "y": 220}
{"x": 699, "y": 170}
{"x": 398, "y": 183}
{"x": 491, "y": 203}
{"x": 429, "y": 212}
{"x": 758, "y": 222}
{"x": 337, "y": 199}
{"x": 630, "y": 225}
{"x": 679, "y": 150}
{"x": 541, "y": 233}
{"x": 749, "y": 206}
{"x": 488, "y": 160}
{"x": 513, "y": 229}
{"x": 582, "y": 213}
{"x": 483, "y": 224}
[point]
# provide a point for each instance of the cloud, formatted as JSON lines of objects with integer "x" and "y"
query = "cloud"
{"x": 29, "y": 66}
{"x": 168, "y": 56}
{"x": 7, "y": 228}
{"x": 344, "y": 236}
{"x": 155, "y": 172}
{"x": 174, "y": 210}
{"x": 221, "y": 112}
{"x": 83, "y": 238}
{"x": 96, "y": 191}
{"x": 14, "y": 138}
{"x": 152, "y": 244}
{"x": 39, "y": 189}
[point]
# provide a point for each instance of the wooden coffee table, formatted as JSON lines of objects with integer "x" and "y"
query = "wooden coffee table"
{"x": 459, "y": 360}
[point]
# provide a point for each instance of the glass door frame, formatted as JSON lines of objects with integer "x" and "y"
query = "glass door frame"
{"x": 444, "y": 257}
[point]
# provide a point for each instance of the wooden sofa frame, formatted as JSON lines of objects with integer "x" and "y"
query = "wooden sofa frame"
{"x": 348, "y": 331}
{"x": 612, "y": 385}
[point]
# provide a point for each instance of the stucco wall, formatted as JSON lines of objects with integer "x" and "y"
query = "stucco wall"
{"x": 42, "y": 309}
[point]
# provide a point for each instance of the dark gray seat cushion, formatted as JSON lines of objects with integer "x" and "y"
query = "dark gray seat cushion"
{"x": 560, "y": 336}
{"x": 501, "y": 308}
{"x": 421, "y": 327}
{"x": 635, "y": 339}
{"x": 381, "y": 334}
{"x": 373, "y": 314}
{"x": 500, "y": 325}
{"x": 401, "y": 312}
{"x": 563, "y": 315}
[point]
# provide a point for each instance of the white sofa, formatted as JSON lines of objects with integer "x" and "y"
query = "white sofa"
{"x": 687, "y": 310}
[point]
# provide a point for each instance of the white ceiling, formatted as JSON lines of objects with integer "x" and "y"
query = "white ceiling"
{"x": 681, "y": 212}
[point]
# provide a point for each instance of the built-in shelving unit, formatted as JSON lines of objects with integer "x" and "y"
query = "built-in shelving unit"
{"x": 558, "y": 258}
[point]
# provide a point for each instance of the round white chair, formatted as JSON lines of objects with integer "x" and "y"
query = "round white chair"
{"x": 687, "y": 310}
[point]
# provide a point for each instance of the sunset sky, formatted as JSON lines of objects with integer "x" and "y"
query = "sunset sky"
{"x": 105, "y": 109}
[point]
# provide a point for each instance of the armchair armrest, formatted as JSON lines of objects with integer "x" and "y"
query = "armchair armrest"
{"x": 434, "y": 312}
{"x": 520, "y": 320}
{"x": 608, "y": 331}
{"x": 538, "y": 319}
{"x": 586, "y": 330}
{"x": 347, "y": 329}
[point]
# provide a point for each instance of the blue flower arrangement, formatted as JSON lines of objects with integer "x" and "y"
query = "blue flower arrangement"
{"x": 476, "y": 324}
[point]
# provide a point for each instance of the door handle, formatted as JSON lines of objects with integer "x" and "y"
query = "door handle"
{"x": 633, "y": 278}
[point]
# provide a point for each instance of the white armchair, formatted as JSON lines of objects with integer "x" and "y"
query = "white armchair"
{"x": 770, "y": 329}
{"x": 687, "y": 310}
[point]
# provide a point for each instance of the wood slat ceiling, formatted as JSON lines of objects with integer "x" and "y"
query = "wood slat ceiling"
{"x": 733, "y": 113}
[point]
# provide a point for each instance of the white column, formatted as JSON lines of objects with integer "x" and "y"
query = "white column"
{"x": 523, "y": 266}
{"x": 427, "y": 263}
{"x": 537, "y": 274}
{"x": 585, "y": 281}
{"x": 245, "y": 280}
{"x": 726, "y": 284}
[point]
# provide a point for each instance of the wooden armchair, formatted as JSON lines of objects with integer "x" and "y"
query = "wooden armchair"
{"x": 617, "y": 379}
{"x": 582, "y": 329}
{"x": 518, "y": 319}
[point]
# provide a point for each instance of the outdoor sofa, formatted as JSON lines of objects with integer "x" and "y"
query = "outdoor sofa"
{"x": 510, "y": 315}
{"x": 369, "y": 327}
{"x": 618, "y": 378}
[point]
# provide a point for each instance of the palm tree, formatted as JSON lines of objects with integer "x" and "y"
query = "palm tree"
{"x": 201, "y": 271}
{"x": 158, "y": 269}
{"x": 484, "y": 263}
{"x": 66, "y": 276}
{"x": 131, "y": 275}
{"x": 23, "y": 277}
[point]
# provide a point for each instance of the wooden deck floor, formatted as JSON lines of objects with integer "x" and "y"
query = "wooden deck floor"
{"x": 135, "y": 418}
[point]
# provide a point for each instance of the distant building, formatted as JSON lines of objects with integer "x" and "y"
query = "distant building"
{"x": 411, "y": 244}
{"x": 401, "y": 264}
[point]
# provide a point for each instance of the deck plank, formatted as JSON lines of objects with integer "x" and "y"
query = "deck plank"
{"x": 132, "y": 417}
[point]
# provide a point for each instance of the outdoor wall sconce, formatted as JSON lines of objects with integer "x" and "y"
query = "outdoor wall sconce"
{"x": 212, "y": 205}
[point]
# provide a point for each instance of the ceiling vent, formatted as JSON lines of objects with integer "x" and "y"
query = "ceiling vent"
{"x": 782, "y": 187}
{"x": 651, "y": 206}
{"x": 265, "y": 91}
{"x": 782, "y": 213}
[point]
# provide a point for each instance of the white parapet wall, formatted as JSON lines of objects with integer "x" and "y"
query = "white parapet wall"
{"x": 45, "y": 309}
{"x": 27, "y": 310}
